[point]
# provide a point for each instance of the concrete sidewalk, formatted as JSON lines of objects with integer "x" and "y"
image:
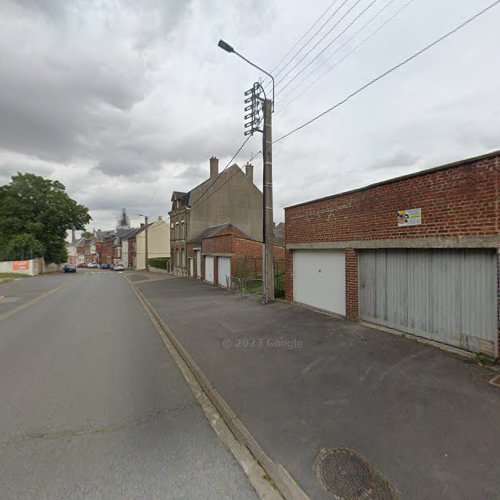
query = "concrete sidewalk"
{"x": 300, "y": 382}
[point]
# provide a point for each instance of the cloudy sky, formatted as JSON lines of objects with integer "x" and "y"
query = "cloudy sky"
{"x": 125, "y": 101}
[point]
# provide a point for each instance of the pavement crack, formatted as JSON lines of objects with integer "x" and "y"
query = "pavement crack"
{"x": 95, "y": 430}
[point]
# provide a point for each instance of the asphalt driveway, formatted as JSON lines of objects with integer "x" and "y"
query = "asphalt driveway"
{"x": 428, "y": 421}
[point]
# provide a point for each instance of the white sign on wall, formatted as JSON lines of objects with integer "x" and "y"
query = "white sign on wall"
{"x": 410, "y": 217}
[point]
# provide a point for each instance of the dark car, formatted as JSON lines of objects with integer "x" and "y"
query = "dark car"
{"x": 104, "y": 266}
{"x": 69, "y": 268}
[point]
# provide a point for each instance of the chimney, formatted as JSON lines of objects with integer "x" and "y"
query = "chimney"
{"x": 142, "y": 225}
{"x": 73, "y": 236}
{"x": 214, "y": 167}
{"x": 249, "y": 171}
{"x": 160, "y": 217}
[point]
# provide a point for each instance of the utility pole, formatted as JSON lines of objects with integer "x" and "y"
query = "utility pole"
{"x": 267, "y": 188}
{"x": 254, "y": 101}
{"x": 146, "y": 236}
{"x": 147, "y": 253}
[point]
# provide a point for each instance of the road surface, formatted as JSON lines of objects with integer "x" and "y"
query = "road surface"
{"x": 93, "y": 406}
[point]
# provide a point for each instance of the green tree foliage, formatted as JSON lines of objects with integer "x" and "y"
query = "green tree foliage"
{"x": 37, "y": 211}
{"x": 22, "y": 246}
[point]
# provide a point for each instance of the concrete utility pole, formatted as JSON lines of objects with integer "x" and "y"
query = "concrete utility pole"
{"x": 267, "y": 188}
{"x": 253, "y": 99}
{"x": 147, "y": 249}
{"x": 146, "y": 237}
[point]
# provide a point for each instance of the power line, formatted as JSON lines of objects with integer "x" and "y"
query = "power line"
{"x": 236, "y": 172}
{"x": 311, "y": 38}
{"x": 391, "y": 70}
{"x": 228, "y": 164}
{"x": 321, "y": 39}
{"x": 327, "y": 46}
{"x": 370, "y": 21}
{"x": 303, "y": 36}
{"x": 340, "y": 61}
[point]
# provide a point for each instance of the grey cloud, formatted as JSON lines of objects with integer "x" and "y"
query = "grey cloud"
{"x": 396, "y": 159}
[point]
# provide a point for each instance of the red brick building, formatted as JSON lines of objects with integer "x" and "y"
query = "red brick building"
{"x": 104, "y": 250}
{"x": 214, "y": 254}
{"x": 418, "y": 253}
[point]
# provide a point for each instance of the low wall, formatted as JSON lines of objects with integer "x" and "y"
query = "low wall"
{"x": 31, "y": 267}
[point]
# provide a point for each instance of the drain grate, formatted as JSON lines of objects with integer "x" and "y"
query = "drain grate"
{"x": 349, "y": 476}
{"x": 495, "y": 381}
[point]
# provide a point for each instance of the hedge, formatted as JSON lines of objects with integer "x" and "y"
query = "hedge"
{"x": 159, "y": 262}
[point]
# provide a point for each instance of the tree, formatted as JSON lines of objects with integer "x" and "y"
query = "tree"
{"x": 31, "y": 206}
{"x": 21, "y": 247}
{"x": 87, "y": 235}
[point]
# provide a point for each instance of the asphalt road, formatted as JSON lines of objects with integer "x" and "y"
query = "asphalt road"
{"x": 93, "y": 406}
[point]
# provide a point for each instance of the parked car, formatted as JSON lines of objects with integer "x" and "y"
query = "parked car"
{"x": 104, "y": 266}
{"x": 69, "y": 268}
{"x": 92, "y": 265}
{"x": 118, "y": 267}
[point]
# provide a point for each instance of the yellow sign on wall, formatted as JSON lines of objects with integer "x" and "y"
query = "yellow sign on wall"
{"x": 410, "y": 217}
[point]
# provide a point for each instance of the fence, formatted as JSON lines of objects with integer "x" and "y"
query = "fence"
{"x": 249, "y": 272}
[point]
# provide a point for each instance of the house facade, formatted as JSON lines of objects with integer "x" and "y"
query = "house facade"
{"x": 217, "y": 253}
{"x": 417, "y": 254}
{"x": 158, "y": 235}
{"x": 228, "y": 196}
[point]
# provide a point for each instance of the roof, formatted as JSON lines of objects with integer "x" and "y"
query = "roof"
{"x": 190, "y": 198}
{"x": 210, "y": 232}
{"x": 135, "y": 231}
{"x": 455, "y": 164}
{"x": 177, "y": 195}
{"x": 124, "y": 233}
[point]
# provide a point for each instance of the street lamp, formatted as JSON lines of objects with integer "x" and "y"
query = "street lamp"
{"x": 146, "y": 236}
{"x": 228, "y": 48}
{"x": 267, "y": 184}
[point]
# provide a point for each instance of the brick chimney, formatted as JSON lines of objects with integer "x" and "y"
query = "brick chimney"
{"x": 249, "y": 171}
{"x": 214, "y": 167}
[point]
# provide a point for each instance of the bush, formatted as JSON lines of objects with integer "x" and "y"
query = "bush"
{"x": 279, "y": 285}
{"x": 159, "y": 262}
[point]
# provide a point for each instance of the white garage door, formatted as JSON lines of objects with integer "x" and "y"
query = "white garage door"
{"x": 445, "y": 295}
{"x": 198, "y": 264}
{"x": 224, "y": 270}
{"x": 209, "y": 269}
{"x": 319, "y": 279}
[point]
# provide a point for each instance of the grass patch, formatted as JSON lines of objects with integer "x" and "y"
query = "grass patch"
{"x": 484, "y": 359}
{"x": 8, "y": 277}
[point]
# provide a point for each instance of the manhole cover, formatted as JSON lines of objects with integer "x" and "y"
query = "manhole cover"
{"x": 348, "y": 476}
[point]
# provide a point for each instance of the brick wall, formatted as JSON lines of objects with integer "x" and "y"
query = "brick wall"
{"x": 351, "y": 279}
{"x": 458, "y": 201}
{"x": 219, "y": 244}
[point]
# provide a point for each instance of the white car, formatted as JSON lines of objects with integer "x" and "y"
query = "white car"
{"x": 118, "y": 267}
{"x": 92, "y": 265}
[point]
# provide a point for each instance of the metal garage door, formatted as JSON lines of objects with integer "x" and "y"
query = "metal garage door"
{"x": 209, "y": 269}
{"x": 444, "y": 295}
{"x": 223, "y": 270}
{"x": 319, "y": 279}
